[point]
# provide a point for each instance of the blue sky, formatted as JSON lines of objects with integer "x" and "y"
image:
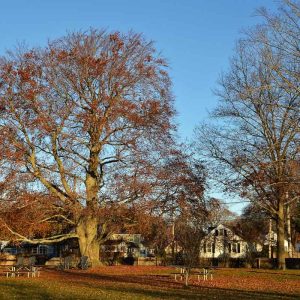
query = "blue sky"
{"x": 196, "y": 36}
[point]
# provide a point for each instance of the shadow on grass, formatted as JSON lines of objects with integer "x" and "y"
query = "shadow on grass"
{"x": 205, "y": 293}
{"x": 22, "y": 290}
{"x": 283, "y": 273}
{"x": 168, "y": 289}
{"x": 82, "y": 285}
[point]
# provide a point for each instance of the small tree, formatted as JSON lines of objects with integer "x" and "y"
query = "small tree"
{"x": 189, "y": 234}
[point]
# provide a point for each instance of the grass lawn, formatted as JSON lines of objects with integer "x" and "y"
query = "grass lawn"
{"x": 127, "y": 282}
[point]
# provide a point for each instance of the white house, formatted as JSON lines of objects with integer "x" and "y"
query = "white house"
{"x": 3, "y": 244}
{"x": 297, "y": 244}
{"x": 271, "y": 238}
{"x": 222, "y": 241}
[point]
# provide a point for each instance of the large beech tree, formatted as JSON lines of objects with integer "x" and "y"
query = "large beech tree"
{"x": 75, "y": 114}
{"x": 256, "y": 142}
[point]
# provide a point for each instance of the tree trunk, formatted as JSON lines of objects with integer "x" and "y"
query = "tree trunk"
{"x": 87, "y": 230}
{"x": 280, "y": 237}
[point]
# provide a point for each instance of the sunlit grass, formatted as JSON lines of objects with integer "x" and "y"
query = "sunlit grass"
{"x": 152, "y": 283}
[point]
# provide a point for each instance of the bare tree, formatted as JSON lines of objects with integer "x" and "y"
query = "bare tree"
{"x": 257, "y": 137}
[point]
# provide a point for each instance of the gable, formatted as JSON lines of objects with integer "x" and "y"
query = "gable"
{"x": 222, "y": 232}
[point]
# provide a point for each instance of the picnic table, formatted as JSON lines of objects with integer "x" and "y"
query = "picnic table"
{"x": 17, "y": 271}
{"x": 199, "y": 272}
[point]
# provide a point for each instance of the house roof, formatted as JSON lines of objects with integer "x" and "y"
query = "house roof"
{"x": 118, "y": 242}
{"x": 112, "y": 242}
{"x": 221, "y": 226}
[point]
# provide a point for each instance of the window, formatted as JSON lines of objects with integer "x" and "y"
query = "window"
{"x": 234, "y": 247}
{"x": 229, "y": 247}
{"x": 10, "y": 250}
{"x": 216, "y": 232}
{"x": 208, "y": 249}
{"x": 43, "y": 250}
{"x": 204, "y": 247}
{"x": 225, "y": 232}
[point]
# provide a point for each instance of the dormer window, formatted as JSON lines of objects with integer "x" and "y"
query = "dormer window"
{"x": 210, "y": 247}
{"x": 216, "y": 232}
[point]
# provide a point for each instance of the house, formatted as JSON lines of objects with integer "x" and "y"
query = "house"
{"x": 271, "y": 243}
{"x": 125, "y": 245}
{"x": 222, "y": 242}
{"x": 297, "y": 242}
{"x": 29, "y": 249}
{"x": 119, "y": 245}
{"x": 173, "y": 247}
{"x": 271, "y": 239}
{"x": 42, "y": 252}
{"x": 3, "y": 244}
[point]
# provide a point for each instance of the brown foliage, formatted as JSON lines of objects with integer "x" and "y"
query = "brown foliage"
{"x": 80, "y": 111}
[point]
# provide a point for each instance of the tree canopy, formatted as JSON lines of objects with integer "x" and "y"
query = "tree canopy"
{"x": 75, "y": 116}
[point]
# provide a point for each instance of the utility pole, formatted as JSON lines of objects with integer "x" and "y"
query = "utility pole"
{"x": 173, "y": 241}
{"x": 173, "y": 231}
{"x": 270, "y": 242}
{"x": 288, "y": 223}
